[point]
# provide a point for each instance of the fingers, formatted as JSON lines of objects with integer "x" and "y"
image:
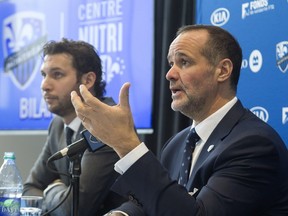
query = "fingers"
{"x": 84, "y": 108}
{"x": 76, "y": 100}
{"x": 91, "y": 101}
{"x": 80, "y": 108}
{"x": 88, "y": 98}
{"x": 124, "y": 96}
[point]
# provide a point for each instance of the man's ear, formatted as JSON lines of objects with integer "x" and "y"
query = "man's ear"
{"x": 224, "y": 69}
{"x": 88, "y": 79}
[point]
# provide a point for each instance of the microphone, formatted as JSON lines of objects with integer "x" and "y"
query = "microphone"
{"x": 77, "y": 147}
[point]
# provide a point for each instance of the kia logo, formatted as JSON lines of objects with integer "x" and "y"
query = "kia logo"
{"x": 261, "y": 113}
{"x": 220, "y": 17}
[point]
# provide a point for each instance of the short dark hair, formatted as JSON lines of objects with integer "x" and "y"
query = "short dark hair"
{"x": 84, "y": 59}
{"x": 221, "y": 44}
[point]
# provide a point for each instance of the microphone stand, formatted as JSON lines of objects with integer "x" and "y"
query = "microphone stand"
{"x": 75, "y": 171}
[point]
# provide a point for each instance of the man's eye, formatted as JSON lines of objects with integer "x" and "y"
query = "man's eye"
{"x": 184, "y": 62}
{"x": 58, "y": 75}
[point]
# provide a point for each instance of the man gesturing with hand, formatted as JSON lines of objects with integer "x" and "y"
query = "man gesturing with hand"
{"x": 119, "y": 117}
{"x": 239, "y": 163}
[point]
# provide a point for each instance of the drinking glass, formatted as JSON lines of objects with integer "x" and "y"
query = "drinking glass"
{"x": 31, "y": 205}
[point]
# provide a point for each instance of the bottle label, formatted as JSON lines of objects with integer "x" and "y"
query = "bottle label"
{"x": 10, "y": 206}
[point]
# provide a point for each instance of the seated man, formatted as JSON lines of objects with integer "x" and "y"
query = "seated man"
{"x": 66, "y": 65}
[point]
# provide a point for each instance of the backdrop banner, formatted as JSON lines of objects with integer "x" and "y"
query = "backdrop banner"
{"x": 261, "y": 29}
{"x": 120, "y": 30}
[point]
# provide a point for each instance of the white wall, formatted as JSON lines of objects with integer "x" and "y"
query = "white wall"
{"x": 26, "y": 146}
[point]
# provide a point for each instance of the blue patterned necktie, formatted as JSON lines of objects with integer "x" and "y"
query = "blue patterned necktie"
{"x": 191, "y": 140}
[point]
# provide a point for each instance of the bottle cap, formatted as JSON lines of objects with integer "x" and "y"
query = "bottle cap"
{"x": 9, "y": 155}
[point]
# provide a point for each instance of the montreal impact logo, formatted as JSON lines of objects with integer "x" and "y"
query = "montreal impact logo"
{"x": 23, "y": 39}
{"x": 282, "y": 56}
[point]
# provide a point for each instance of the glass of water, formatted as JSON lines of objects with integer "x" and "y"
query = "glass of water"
{"x": 31, "y": 205}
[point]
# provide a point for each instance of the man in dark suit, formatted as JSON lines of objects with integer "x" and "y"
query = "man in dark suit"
{"x": 66, "y": 65}
{"x": 240, "y": 164}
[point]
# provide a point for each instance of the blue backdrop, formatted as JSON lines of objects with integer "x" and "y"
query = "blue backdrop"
{"x": 261, "y": 29}
{"x": 121, "y": 31}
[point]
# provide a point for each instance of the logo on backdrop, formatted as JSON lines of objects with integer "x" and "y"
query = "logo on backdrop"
{"x": 282, "y": 56}
{"x": 256, "y": 7}
{"x": 220, "y": 17}
{"x": 261, "y": 113}
{"x": 23, "y": 38}
{"x": 105, "y": 31}
{"x": 255, "y": 61}
{"x": 284, "y": 115}
{"x": 112, "y": 67}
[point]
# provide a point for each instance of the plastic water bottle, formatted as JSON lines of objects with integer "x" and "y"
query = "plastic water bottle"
{"x": 11, "y": 186}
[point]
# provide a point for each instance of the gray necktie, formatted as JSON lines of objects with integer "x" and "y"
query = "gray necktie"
{"x": 191, "y": 140}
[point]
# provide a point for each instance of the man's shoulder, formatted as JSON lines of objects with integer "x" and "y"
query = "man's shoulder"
{"x": 57, "y": 120}
{"x": 56, "y": 124}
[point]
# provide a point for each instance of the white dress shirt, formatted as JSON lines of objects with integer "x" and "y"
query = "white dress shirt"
{"x": 74, "y": 125}
{"x": 203, "y": 129}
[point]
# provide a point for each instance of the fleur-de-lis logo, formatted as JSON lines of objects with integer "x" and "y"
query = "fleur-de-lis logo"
{"x": 282, "y": 49}
{"x": 23, "y": 38}
{"x": 282, "y": 55}
{"x": 112, "y": 67}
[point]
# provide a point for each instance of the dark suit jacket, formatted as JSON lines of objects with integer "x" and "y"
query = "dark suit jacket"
{"x": 246, "y": 173}
{"x": 97, "y": 175}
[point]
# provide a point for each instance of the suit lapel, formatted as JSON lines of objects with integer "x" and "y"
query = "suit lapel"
{"x": 218, "y": 135}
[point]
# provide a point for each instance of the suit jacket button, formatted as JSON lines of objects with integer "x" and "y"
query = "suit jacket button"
{"x": 130, "y": 197}
{"x": 134, "y": 200}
